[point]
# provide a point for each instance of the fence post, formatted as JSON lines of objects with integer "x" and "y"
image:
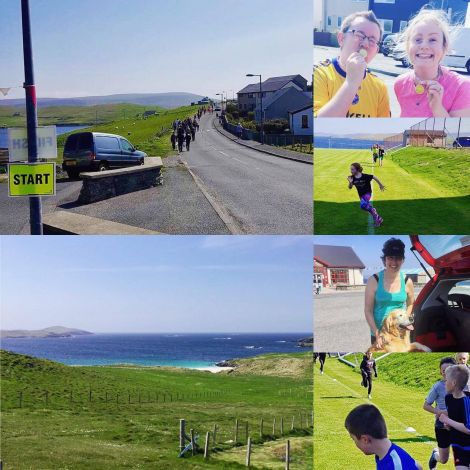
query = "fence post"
{"x": 287, "y": 454}
{"x": 300, "y": 414}
{"x": 89, "y": 395}
{"x": 261, "y": 428}
{"x": 274, "y": 427}
{"x": 236, "y": 431}
{"x": 246, "y": 431}
{"x": 248, "y": 452}
{"x": 292, "y": 427}
{"x": 282, "y": 426}
{"x": 182, "y": 434}
{"x": 206, "y": 445}
{"x": 193, "y": 450}
{"x": 214, "y": 434}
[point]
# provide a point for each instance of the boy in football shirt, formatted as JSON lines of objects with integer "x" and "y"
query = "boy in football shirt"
{"x": 368, "y": 430}
{"x": 458, "y": 414}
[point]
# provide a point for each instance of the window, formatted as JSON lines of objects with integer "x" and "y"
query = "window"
{"x": 107, "y": 143}
{"x": 403, "y": 25}
{"x": 304, "y": 121}
{"x": 339, "y": 276}
{"x": 250, "y": 95}
{"x": 85, "y": 142}
{"x": 126, "y": 146}
{"x": 329, "y": 21}
{"x": 387, "y": 25}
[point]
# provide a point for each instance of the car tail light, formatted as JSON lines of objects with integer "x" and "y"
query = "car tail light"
{"x": 92, "y": 156}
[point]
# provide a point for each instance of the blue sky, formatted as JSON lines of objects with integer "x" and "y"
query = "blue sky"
{"x": 157, "y": 284}
{"x": 98, "y": 47}
{"x": 369, "y": 249}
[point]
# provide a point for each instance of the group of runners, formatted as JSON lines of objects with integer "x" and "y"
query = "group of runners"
{"x": 448, "y": 400}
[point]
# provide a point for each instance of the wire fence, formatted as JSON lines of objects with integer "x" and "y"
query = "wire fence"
{"x": 439, "y": 133}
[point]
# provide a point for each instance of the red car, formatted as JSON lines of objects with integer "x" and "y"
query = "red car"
{"x": 442, "y": 309}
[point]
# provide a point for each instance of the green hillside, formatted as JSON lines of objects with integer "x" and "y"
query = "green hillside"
{"x": 131, "y": 418}
{"x": 399, "y": 392}
{"x": 427, "y": 191}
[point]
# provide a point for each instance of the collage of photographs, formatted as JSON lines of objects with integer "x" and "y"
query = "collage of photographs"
{"x": 272, "y": 203}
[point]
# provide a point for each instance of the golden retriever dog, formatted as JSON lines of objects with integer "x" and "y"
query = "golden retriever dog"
{"x": 395, "y": 335}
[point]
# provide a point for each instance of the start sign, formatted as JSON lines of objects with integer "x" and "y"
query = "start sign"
{"x": 31, "y": 179}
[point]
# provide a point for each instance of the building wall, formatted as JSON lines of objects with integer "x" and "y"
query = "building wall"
{"x": 337, "y": 10}
{"x": 318, "y": 11}
{"x": 296, "y": 122}
{"x": 279, "y": 109}
{"x": 356, "y": 277}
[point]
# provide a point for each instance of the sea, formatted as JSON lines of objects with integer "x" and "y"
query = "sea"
{"x": 59, "y": 130}
{"x": 176, "y": 350}
{"x": 325, "y": 142}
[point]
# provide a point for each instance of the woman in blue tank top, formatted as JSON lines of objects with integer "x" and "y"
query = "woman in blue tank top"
{"x": 388, "y": 290}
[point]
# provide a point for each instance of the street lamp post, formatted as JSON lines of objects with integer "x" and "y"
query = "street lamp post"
{"x": 261, "y": 102}
{"x": 31, "y": 114}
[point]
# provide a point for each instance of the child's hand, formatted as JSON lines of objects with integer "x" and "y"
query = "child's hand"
{"x": 355, "y": 69}
{"x": 350, "y": 179}
{"x": 382, "y": 187}
{"x": 435, "y": 92}
{"x": 443, "y": 418}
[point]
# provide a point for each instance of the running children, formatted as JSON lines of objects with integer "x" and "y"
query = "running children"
{"x": 462, "y": 358}
{"x": 343, "y": 86}
{"x": 458, "y": 415}
{"x": 381, "y": 155}
{"x": 362, "y": 183}
{"x": 368, "y": 366}
{"x": 437, "y": 395}
{"x": 322, "y": 358}
{"x": 375, "y": 153}
{"x": 368, "y": 430}
{"x": 430, "y": 89}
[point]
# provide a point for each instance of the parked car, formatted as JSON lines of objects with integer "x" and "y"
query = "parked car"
{"x": 88, "y": 151}
{"x": 388, "y": 44}
{"x": 459, "y": 55}
{"x": 442, "y": 309}
{"x": 461, "y": 142}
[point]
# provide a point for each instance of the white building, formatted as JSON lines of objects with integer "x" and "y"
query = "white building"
{"x": 329, "y": 14}
{"x": 301, "y": 121}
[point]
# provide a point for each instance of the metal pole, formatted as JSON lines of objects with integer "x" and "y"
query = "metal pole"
{"x": 31, "y": 114}
{"x": 261, "y": 103}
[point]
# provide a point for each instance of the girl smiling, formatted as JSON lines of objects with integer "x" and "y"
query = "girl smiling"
{"x": 430, "y": 89}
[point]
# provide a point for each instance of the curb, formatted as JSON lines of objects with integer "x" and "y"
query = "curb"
{"x": 235, "y": 139}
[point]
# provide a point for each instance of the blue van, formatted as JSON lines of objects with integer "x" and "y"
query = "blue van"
{"x": 88, "y": 151}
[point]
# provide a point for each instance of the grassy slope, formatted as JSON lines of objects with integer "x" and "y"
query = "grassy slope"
{"x": 74, "y": 114}
{"x": 103, "y": 435}
{"x": 427, "y": 191}
{"x": 150, "y": 135}
{"x": 399, "y": 392}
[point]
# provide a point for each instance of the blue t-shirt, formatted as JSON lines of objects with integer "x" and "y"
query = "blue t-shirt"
{"x": 396, "y": 459}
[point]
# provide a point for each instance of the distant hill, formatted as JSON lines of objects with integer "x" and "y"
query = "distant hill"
{"x": 51, "y": 332}
{"x": 165, "y": 100}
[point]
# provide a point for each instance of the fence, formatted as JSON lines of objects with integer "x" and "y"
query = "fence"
{"x": 245, "y": 433}
{"x": 438, "y": 132}
{"x": 277, "y": 140}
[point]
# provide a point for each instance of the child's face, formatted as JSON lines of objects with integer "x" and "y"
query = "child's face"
{"x": 462, "y": 358}
{"x": 353, "y": 170}
{"x": 443, "y": 370}
{"x": 426, "y": 45}
{"x": 363, "y": 443}
{"x": 350, "y": 42}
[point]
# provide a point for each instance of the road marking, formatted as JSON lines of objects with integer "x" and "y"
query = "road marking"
{"x": 223, "y": 153}
{"x": 240, "y": 161}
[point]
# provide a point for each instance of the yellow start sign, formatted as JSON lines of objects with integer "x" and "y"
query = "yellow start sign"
{"x": 31, "y": 179}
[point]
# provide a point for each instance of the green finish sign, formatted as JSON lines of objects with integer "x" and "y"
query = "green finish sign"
{"x": 31, "y": 179}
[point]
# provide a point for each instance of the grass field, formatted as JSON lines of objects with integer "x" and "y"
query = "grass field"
{"x": 16, "y": 116}
{"x": 399, "y": 392}
{"x": 124, "y": 426}
{"x": 427, "y": 191}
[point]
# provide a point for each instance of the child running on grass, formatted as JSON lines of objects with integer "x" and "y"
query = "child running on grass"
{"x": 381, "y": 155}
{"x": 458, "y": 414}
{"x": 375, "y": 153}
{"x": 437, "y": 395}
{"x": 368, "y": 366}
{"x": 364, "y": 190}
{"x": 368, "y": 430}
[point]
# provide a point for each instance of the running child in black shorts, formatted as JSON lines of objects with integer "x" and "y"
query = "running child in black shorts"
{"x": 368, "y": 366}
{"x": 458, "y": 414}
{"x": 364, "y": 190}
{"x": 437, "y": 395}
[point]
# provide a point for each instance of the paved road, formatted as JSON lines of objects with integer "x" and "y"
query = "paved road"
{"x": 262, "y": 194}
{"x": 339, "y": 322}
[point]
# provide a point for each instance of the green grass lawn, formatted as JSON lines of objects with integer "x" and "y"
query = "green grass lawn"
{"x": 117, "y": 429}
{"x": 16, "y": 116}
{"x": 399, "y": 392}
{"x": 427, "y": 191}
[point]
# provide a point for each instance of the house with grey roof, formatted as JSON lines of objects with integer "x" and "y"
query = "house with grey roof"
{"x": 339, "y": 265}
{"x": 249, "y": 96}
{"x": 301, "y": 120}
